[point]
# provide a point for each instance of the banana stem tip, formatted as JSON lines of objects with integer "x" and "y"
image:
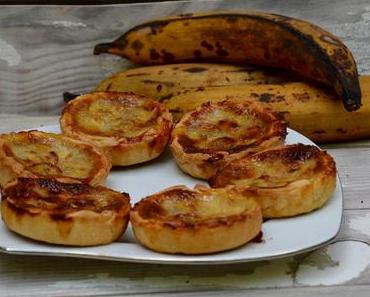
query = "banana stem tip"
{"x": 101, "y": 48}
{"x": 67, "y": 96}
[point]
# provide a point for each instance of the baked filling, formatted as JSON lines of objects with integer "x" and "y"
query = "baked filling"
{"x": 219, "y": 132}
{"x": 41, "y": 154}
{"x": 121, "y": 117}
{"x": 119, "y": 123}
{"x": 203, "y": 220}
{"x": 299, "y": 177}
{"x": 225, "y": 128}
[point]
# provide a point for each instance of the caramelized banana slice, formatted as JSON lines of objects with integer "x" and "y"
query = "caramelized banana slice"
{"x": 130, "y": 129}
{"x": 40, "y": 154}
{"x": 216, "y": 133}
{"x": 203, "y": 220}
{"x": 64, "y": 213}
{"x": 286, "y": 181}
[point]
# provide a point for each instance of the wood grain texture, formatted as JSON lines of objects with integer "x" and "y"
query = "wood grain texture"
{"x": 334, "y": 265}
{"x": 74, "y": 2}
{"x": 45, "y": 51}
{"x": 359, "y": 291}
{"x": 48, "y": 50}
{"x": 353, "y": 171}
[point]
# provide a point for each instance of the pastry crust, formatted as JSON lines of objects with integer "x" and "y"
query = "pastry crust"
{"x": 203, "y": 220}
{"x": 216, "y": 133}
{"x": 41, "y": 154}
{"x": 130, "y": 129}
{"x": 64, "y": 213}
{"x": 286, "y": 181}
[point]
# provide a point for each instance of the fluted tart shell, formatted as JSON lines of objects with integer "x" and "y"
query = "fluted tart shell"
{"x": 199, "y": 221}
{"x": 216, "y": 133}
{"x": 64, "y": 213}
{"x": 129, "y": 128}
{"x": 286, "y": 181}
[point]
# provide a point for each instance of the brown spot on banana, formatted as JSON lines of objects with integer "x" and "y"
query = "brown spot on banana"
{"x": 268, "y": 97}
{"x": 222, "y": 52}
{"x": 301, "y": 96}
{"x": 166, "y": 83}
{"x": 267, "y": 56}
{"x": 167, "y": 56}
{"x": 195, "y": 69}
{"x": 67, "y": 96}
{"x": 207, "y": 45}
{"x": 167, "y": 97}
{"x": 154, "y": 55}
{"x": 197, "y": 53}
{"x": 137, "y": 45}
{"x": 245, "y": 37}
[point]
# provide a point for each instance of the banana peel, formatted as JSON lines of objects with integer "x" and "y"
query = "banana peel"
{"x": 312, "y": 110}
{"x": 244, "y": 37}
{"x": 164, "y": 81}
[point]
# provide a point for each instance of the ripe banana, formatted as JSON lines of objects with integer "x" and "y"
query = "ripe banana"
{"x": 244, "y": 37}
{"x": 164, "y": 81}
{"x": 311, "y": 110}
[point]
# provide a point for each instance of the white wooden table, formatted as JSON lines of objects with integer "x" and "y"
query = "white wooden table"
{"x": 52, "y": 53}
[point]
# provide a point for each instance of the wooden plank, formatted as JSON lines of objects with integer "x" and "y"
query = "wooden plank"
{"x": 15, "y": 122}
{"x": 48, "y": 50}
{"x": 353, "y": 168}
{"x": 355, "y": 226}
{"x": 75, "y": 2}
{"x": 67, "y": 277}
{"x": 349, "y": 291}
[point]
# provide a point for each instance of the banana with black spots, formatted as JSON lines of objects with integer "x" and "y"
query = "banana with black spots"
{"x": 244, "y": 37}
{"x": 308, "y": 108}
{"x": 164, "y": 81}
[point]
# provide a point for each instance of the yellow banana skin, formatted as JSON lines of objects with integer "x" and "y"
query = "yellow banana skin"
{"x": 309, "y": 109}
{"x": 164, "y": 81}
{"x": 244, "y": 37}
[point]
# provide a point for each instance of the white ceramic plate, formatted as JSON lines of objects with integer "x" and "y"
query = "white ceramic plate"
{"x": 281, "y": 237}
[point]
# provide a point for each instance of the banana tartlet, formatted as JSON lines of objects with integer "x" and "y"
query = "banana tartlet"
{"x": 41, "y": 154}
{"x": 130, "y": 129}
{"x": 64, "y": 213}
{"x": 286, "y": 181}
{"x": 203, "y": 220}
{"x": 216, "y": 133}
